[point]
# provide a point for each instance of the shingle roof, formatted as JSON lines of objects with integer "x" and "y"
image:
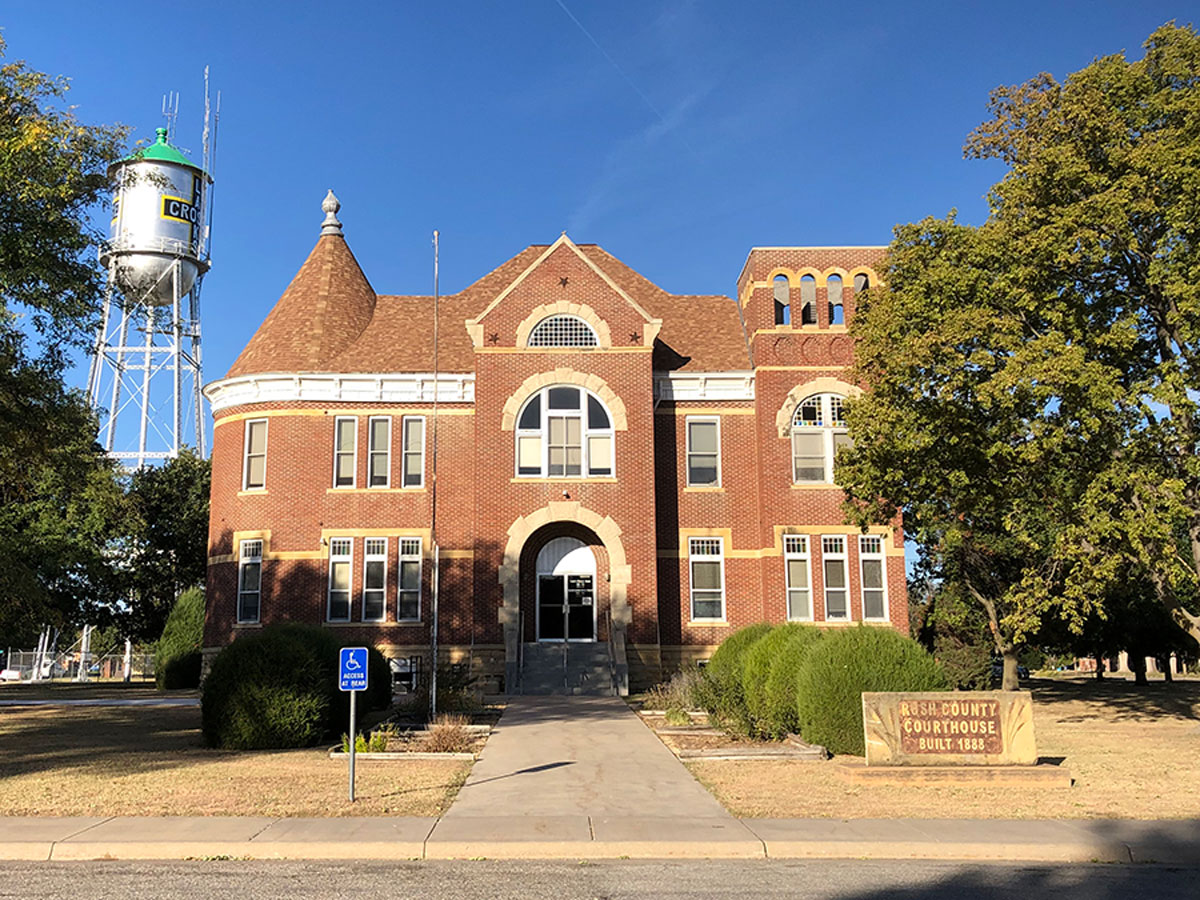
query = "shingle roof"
{"x": 323, "y": 311}
{"x": 330, "y": 320}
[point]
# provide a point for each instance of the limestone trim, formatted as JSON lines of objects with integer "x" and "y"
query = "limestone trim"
{"x": 620, "y": 573}
{"x": 594, "y": 383}
{"x": 822, "y": 278}
{"x": 565, "y": 308}
{"x": 783, "y": 418}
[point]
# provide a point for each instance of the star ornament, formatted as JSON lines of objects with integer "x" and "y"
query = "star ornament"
{"x": 563, "y": 281}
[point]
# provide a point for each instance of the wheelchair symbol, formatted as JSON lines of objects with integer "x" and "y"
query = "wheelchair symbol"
{"x": 352, "y": 662}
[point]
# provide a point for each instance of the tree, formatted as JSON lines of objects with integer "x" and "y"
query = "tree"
{"x": 963, "y": 425}
{"x": 1033, "y": 381}
{"x": 1101, "y": 207}
{"x": 168, "y": 550}
{"x": 60, "y": 499}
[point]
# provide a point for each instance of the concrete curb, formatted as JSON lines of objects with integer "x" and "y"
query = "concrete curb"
{"x": 1174, "y": 842}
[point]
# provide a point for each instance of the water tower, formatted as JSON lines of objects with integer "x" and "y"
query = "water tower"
{"x": 147, "y": 352}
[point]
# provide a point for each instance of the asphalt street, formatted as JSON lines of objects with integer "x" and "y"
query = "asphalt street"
{"x": 513, "y": 880}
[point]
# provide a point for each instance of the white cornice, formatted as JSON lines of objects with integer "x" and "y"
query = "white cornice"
{"x": 676, "y": 386}
{"x": 405, "y": 387}
{"x": 388, "y": 387}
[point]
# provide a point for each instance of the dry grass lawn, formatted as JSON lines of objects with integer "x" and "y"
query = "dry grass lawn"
{"x": 105, "y": 760}
{"x": 1134, "y": 752}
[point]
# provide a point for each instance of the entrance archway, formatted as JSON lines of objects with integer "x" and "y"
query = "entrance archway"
{"x": 566, "y": 591}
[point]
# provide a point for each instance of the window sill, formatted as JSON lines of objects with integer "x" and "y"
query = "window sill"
{"x": 814, "y": 486}
{"x": 252, "y": 492}
{"x": 703, "y": 489}
{"x": 708, "y": 623}
{"x": 377, "y": 490}
{"x": 559, "y": 479}
{"x": 247, "y": 625}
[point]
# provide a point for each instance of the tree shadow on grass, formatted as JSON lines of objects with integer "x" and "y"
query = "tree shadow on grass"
{"x": 1123, "y": 700}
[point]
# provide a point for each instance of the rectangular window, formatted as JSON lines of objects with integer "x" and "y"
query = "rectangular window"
{"x": 706, "y": 565}
{"x": 798, "y": 574}
{"x": 374, "y": 579}
{"x": 254, "y": 477}
{"x": 704, "y": 452}
{"x": 379, "y": 451}
{"x": 808, "y": 456}
{"x": 408, "y": 596}
{"x": 249, "y": 581}
{"x": 837, "y": 594}
{"x": 874, "y": 581}
{"x": 341, "y": 556}
{"x": 345, "y": 452}
{"x": 565, "y": 444}
{"x": 413, "y": 428}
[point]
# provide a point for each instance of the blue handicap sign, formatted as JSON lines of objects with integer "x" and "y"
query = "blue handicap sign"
{"x": 352, "y": 674}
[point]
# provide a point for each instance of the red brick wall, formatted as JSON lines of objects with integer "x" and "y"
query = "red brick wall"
{"x": 479, "y": 498}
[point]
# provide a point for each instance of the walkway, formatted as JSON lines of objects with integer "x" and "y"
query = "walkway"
{"x": 578, "y": 776}
{"x": 583, "y": 756}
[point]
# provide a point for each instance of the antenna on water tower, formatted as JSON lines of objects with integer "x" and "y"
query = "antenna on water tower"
{"x": 147, "y": 352}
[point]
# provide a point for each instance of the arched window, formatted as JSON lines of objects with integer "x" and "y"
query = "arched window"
{"x": 818, "y": 431}
{"x": 564, "y": 432}
{"x": 833, "y": 291}
{"x": 861, "y": 282}
{"x": 808, "y": 300}
{"x": 783, "y": 299}
{"x": 563, "y": 331}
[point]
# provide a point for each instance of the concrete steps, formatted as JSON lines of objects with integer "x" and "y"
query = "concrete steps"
{"x": 588, "y": 670}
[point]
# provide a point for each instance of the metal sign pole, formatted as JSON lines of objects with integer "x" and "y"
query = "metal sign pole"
{"x": 353, "y": 697}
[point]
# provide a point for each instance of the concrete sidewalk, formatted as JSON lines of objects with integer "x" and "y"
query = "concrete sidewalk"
{"x": 1175, "y": 842}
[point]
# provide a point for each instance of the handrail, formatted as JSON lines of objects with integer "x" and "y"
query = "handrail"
{"x": 612, "y": 650}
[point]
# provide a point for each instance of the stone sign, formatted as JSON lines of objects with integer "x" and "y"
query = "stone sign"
{"x": 973, "y": 728}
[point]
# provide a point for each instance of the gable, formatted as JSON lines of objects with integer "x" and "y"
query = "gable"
{"x": 563, "y": 281}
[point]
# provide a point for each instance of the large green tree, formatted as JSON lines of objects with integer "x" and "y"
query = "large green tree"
{"x": 1101, "y": 211}
{"x": 1033, "y": 382}
{"x": 61, "y": 505}
{"x": 168, "y": 545}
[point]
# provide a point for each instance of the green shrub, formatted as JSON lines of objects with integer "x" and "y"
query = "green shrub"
{"x": 278, "y": 688}
{"x": 723, "y": 675}
{"x": 179, "y": 672}
{"x": 177, "y": 656}
{"x": 843, "y": 664}
{"x": 769, "y": 679}
{"x": 677, "y": 717}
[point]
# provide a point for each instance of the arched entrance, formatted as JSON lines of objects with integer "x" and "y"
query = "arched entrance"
{"x": 566, "y": 591}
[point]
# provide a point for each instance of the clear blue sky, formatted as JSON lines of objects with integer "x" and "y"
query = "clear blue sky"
{"x": 675, "y": 134}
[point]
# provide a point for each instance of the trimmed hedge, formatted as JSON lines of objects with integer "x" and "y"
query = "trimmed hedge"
{"x": 177, "y": 656}
{"x": 277, "y": 688}
{"x": 774, "y": 710}
{"x": 723, "y": 674}
{"x": 842, "y": 665}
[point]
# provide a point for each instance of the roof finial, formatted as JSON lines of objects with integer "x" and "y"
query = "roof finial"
{"x": 330, "y": 205}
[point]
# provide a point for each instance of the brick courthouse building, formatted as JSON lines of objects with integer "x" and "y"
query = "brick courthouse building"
{"x": 635, "y": 471}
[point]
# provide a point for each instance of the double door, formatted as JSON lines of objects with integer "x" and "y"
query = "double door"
{"x": 566, "y": 607}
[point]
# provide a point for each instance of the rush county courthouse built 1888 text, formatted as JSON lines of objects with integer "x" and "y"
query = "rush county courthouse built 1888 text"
{"x": 633, "y": 472}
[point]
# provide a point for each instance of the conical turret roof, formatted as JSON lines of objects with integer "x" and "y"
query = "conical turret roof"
{"x": 323, "y": 311}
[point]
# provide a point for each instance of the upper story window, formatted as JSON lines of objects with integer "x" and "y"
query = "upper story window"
{"x": 414, "y": 451}
{"x": 254, "y": 468}
{"x": 379, "y": 451}
{"x": 818, "y": 431}
{"x": 563, "y": 331}
{"x": 564, "y": 432}
{"x": 703, "y": 452}
{"x": 345, "y": 451}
